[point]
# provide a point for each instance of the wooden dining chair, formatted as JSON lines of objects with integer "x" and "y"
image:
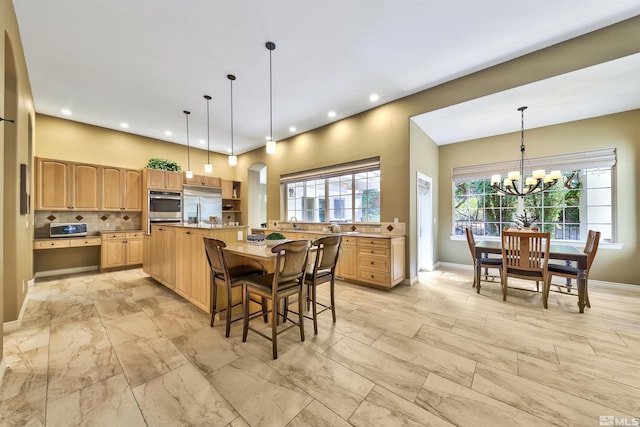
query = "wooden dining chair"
{"x": 229, "y": 278}
{"x": 525, "y": 255}
{"x": 484, "y": 262}
{"x": 571, "y": 272}
{"x": 287, "y": 280}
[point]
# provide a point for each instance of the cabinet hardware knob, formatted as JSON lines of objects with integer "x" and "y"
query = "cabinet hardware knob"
{"x": 371, "y": 262}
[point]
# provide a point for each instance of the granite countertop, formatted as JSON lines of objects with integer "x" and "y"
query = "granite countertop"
{"x": 207, "y": 226}
{"x": 343, "y": 233}
{"x": 101, "y": 232}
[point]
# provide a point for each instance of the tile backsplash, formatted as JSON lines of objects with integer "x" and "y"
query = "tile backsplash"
{"x": 96, "y": 221}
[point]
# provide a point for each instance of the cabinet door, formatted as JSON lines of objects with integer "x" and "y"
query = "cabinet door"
{"x": 53, "y": 185}
{"x": 132, "y": 191}
{"x": 168, "y": 267}
{"x": 200, "y": 273}
{"x": 347, "y": 265}
{"x": 111, "y": 189}
{"x": 157, "y": 251}
{"x": 195, "y": 180}
{"x": 112, "y": 253}
{"x": 227, "y": 189}
{"x": 86, "y": 187}
{"x": 211, "y": 181}
{"x": 173, "y": 181}
{"x": 146, "y": 254}
{"x": 135, "y": 251}
{"x": 183, "y": 263}
{"x": 155, "y": 179}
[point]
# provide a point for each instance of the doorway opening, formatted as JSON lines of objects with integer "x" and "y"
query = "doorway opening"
{"x": 257, "y": 195}
{"x": 425, "y": 223}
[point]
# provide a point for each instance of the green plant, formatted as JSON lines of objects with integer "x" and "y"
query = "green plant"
{"x": 275, "y": 236}
{"x": 163, "y": 164}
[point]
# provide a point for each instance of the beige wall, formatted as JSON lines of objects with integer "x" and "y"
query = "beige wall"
{"x": 620, "y": 131}
{"x": 16, "y": 102}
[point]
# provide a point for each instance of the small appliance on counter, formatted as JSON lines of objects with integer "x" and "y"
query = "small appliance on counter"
{"x": 67, "y": 229}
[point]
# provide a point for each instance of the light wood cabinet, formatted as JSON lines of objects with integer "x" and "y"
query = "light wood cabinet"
{"x": 207, "y": 181}
{"x": 163, "y": 252}
{"x": 66, "y": 243}
{"x": 121, "y": 249}
{"x": 146, "y": 254}
{"x": 227, "y": 189}
{"x": 53, "y": 185}
{"x": 64, "y": 185}
{"x": 156, "y": 179}
{"x": 185, "y": 252}
{"x": 85, "y": 187}
{"x": 347, "y": 267}
{"x": 380, "y": 261}
{"x": 121, "y": 189}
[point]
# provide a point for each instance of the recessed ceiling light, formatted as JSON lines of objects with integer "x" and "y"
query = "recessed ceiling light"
{"x": 66, "y": 111}
{"x": 292, "y": 129}
{"x": 374, "y": 97}
{"x": 202, "y": 141}
{"x": 124, "y": 125}
{"x": 332, "y": 114}
{"x": 168, "y": 133}
{"x": 268, "y": 138}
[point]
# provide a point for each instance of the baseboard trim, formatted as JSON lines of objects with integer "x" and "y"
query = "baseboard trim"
{"x": 454, "y": 265}
{"x": 14, "y": 325}
{"x": 66, "y": 271}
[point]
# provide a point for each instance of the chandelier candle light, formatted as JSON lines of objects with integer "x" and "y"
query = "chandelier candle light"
{"x": 189, "y": 173}
{"x": 515, "y": 184}
{"x": 208, "y": 168}
{"x": 271, "y": 144}
{"x": 233, "y": 160}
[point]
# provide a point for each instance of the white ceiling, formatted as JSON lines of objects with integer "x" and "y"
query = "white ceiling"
{"x": 145, "y": 61}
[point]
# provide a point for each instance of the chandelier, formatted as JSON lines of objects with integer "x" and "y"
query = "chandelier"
{"x": 516, "y": 184}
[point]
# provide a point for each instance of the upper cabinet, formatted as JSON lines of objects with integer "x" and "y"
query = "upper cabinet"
{"x": 121, "y": 189}
{"x": 227, "y": 189}
{"x": 64, "y": 185}
{"x": 207, "y": 181}
{"x": 156, "y": 179}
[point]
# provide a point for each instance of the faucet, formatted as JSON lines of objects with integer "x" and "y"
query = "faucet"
{"x": 294, "y": 222}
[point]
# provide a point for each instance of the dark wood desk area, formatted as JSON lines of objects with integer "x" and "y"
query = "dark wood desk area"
{"x": 556, "y": 251}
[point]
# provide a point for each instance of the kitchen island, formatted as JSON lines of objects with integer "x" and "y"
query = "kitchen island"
{"x": 174, "y": 255}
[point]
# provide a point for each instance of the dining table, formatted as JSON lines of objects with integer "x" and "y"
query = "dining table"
{"x": 557, "y": 251}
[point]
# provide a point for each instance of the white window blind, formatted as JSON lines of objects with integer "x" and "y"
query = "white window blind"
{"x": 587, "y": 159}
{"x": 365, "y": 165}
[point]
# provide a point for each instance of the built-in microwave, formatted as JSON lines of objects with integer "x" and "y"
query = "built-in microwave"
{"x": 67, "y": 229}
{"x": 163, "y": 207}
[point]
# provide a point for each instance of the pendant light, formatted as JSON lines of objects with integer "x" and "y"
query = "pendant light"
{"x": 233, "y": 160}
{"x": 189, "y": 172}
{"x": 271, "y": 144}
{"x": 208, "y": 168}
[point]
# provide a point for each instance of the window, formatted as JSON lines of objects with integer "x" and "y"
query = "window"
{"x": 568, "y": 211}
{"x": 341, "y": 193}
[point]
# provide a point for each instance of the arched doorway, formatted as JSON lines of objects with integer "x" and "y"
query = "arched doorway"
{"x": 257, "y": 195}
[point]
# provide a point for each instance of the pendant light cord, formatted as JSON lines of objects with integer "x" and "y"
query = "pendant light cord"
{"x": 208, "y": 98}
{"x": 231, "y": 78}
{"x": 270, "y": 98}
{"x": 186, "y": 113}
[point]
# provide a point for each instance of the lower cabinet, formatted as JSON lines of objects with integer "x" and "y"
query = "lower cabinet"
{"x": 347, "y": 266}
{"x": 121, "y": 249}
{"x": 175, "y": 256}
{"x": 192, "y": 268}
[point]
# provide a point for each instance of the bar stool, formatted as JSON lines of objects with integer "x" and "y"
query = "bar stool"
{"x": 230, "y": 278}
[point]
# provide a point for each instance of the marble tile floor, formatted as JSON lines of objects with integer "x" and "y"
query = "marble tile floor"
{"x": 120, "y": 349}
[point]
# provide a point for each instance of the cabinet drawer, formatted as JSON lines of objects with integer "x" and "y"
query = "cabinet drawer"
{"x": 363, "y": 251}
{"x": 373, "y": 242}
{"x": 374, "y": 262}
{"x": 373, "y": 276}
{"x": 92, "y": 241}
{"x": 132, "y": 235}
{"x": 51, "y": 244}
{"x": 348, "y": 240}
{"x": 109, "y": 236}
